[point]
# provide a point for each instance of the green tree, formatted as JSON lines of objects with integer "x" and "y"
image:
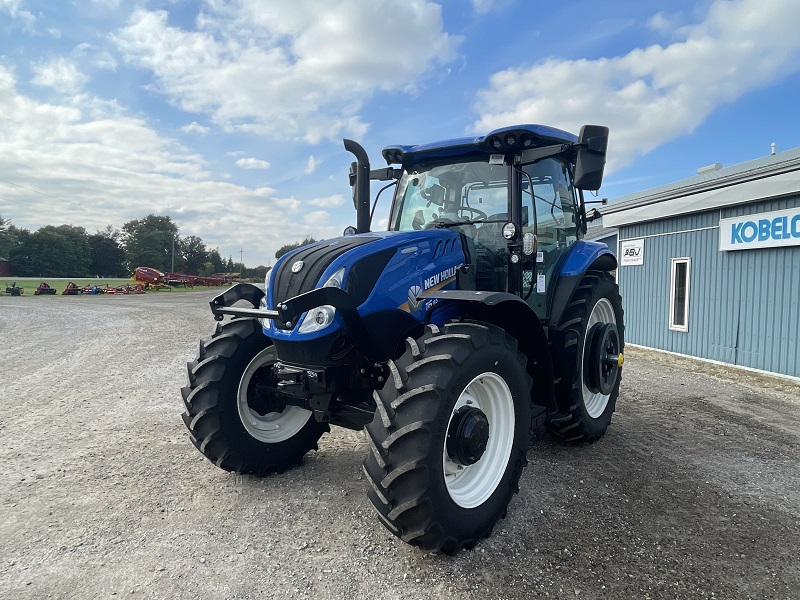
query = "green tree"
{"x": 10, "y": 237}
{"x": 107, "y": 256}
{"x": 260, "y": 271}
{"x": 149, "y": 242}
{"x": 289, "y": 247}
{"x": 217, "y": 264}
{"x": 194, "y": 253}
{"x": 51, "y": 251}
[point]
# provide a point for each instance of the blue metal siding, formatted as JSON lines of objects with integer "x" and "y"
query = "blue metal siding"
{"x": 744, "y": 306}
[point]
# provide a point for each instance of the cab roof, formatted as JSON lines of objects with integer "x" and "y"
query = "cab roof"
{"x": 499, "y": 141}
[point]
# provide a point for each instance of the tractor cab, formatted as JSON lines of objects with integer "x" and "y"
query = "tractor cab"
{"x": 510, "y": 195}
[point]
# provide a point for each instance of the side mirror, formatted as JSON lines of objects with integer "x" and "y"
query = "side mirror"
{"x": 591, "y": 160}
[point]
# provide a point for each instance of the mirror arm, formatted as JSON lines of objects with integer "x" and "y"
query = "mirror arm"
{"x": 385, "y": 174}
{"x": 530, "y": 156}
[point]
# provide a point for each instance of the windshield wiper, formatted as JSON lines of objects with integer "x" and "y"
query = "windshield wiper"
{"x": 444, "y": 224}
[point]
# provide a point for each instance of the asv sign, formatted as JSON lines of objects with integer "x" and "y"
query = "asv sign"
{"x": 631, "y": 252}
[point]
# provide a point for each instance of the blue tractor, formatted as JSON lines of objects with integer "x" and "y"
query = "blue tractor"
{"x": 480, "y": 315}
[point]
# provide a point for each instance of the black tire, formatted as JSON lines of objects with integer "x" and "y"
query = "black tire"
{"x": 595, "y": 302}
{"x": 220, "y": 415}
{"x": 421, "y": 493}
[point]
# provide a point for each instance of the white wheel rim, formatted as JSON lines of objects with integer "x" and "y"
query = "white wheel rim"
{"x": 272, "y": 427}
{"x": 596, "y": 402}
{"x": 471, "y": 485}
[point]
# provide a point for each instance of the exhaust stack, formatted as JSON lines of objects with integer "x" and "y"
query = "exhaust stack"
{"x": 360, "y": 185}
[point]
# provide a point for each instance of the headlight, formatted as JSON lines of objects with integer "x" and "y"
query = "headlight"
{"x": 335, "y": 280}
{"x": 317, "y": 318}
{"x": 322, "y": 316}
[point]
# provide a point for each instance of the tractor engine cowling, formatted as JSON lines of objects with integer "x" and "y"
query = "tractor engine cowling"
{"x": 385, "y": 276}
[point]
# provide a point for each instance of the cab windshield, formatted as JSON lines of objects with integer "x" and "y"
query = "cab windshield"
{"x": 444, "y": 194}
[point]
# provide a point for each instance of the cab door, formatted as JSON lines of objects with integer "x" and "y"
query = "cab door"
{"x": 549, "y": 209}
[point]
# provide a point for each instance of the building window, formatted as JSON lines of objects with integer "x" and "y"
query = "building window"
{"x": 679, "y": 295}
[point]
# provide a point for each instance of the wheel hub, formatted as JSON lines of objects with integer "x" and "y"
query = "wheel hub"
{"x": 602, "y": 358}
{"x": 261, "y": 395}
{"x": 467, "y": 436}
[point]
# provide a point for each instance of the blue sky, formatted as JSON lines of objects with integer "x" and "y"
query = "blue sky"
{"x": 228, "y": 116}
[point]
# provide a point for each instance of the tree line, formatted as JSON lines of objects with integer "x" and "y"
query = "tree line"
{"x": 69, "y": 251}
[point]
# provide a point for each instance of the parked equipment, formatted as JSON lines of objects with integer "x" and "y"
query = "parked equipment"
{"x": 479, "y": 315}
{"x": 72, "y": 290}
{"x": 44, "y": 290}
{"x": 13, "y": 290}
{"x": 157, "y": 280}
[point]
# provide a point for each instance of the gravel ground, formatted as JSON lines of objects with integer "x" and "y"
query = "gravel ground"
{"x": 693, "y": 493}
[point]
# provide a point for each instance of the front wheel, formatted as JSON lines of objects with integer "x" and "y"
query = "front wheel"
{"x": 234, "y": 412}
{"x": 449, "y": 437}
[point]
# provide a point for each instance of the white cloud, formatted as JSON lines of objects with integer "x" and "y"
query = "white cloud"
{"x": 195, "y": 127}
{"x": 483, "y": 7}
{"x": 317, "y": 218}
{"x": 98, "y": 57}
{"x": 95, "y": 164}
{"x": 653, "y": 95}
{"x": 252, "y": 163}
{"x": 312, "y": 164}
{"x": 328, "y": 201}
{"x": 14, "y": 9}
{"x": 303, "y": 69}
{"x": 59, "y": 74}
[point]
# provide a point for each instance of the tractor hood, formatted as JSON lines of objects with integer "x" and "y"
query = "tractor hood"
{"x": 383, "y": 273}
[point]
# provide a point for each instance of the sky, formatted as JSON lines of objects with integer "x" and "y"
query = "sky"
{"x": 229, "y": 116}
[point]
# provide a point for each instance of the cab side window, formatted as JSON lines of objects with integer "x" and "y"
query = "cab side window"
{"x": 553, "y": 200}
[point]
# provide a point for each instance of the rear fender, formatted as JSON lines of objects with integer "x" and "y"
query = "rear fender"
{"x": 583, "y": 254}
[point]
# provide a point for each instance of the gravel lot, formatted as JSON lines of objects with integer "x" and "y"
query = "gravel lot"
{"x": 693, "y": 493}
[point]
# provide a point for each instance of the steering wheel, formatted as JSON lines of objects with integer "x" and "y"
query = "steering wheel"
{"x": 474, "y": 211}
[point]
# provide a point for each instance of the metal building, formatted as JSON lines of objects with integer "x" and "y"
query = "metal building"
{"x": 710, "y": 266}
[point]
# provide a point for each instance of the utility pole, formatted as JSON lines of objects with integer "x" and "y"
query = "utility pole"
{"x": 241, "y": 259}
{"x": 173, "y": 252}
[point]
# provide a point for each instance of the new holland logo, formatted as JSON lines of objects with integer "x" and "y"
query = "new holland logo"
{"x": 298, "y": 266}
{"x": 413, "y": 292}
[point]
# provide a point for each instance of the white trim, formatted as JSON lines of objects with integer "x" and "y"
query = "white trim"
{"x": 747, "y": 192}
{"x": 673, "y": 264}
{"x": 790, "y": 378}
{"x": 652, "y": 235}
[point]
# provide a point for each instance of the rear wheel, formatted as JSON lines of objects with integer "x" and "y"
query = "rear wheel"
{"x": 450, "y": 434}
{"x": 233, "y": 411}
{"x": 591, "y": 359}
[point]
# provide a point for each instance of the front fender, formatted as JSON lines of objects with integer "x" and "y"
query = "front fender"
{"x": 517, "y": 318}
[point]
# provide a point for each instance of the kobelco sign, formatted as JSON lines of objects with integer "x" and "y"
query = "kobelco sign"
{"x": 762, "y": 230}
